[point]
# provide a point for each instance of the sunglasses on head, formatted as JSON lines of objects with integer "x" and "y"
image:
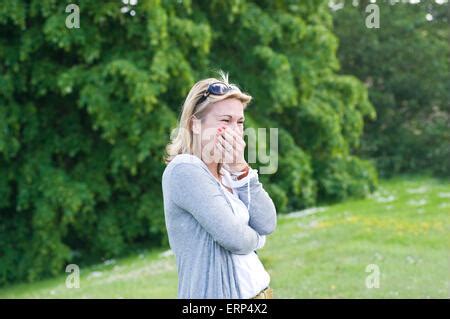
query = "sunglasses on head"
{"x": 216, "y": 88}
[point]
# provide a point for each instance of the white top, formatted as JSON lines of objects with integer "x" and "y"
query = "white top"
{"x": 250, "y": 271}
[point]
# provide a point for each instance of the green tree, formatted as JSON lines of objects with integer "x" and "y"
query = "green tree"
{"x": 85, "y": 114}
{"x": 405, "y": 63}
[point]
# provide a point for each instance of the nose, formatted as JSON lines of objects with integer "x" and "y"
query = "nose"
{"x": 234, "y": 125}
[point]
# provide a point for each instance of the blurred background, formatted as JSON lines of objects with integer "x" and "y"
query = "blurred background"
{"x": 359, "y": 91}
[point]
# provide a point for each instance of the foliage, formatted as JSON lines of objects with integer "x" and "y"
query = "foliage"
{"x": 406, "y": 66}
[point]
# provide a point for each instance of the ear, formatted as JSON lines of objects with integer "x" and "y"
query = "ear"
{"x": 196, "y": 125}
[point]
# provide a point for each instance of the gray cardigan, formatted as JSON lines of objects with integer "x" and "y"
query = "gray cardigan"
{"x": 203, "y": 230}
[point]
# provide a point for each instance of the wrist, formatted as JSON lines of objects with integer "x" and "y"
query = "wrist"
{"x": 241, "y": 174}
{"x": 239, "y": 168}
{"x": 242, "y": 178}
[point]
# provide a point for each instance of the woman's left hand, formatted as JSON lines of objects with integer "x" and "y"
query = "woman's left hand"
{"x": 232, "y": 147}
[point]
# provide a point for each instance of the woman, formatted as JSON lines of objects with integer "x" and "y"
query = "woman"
{"x": 217, "y": 213}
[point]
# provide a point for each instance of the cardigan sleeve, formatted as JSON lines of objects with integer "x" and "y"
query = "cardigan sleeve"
{"x": 194, "y": 191}
{"x": 263, "y": 215}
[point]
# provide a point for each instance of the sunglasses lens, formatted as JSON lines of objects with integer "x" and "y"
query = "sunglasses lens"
{"x": 218, "y": 88}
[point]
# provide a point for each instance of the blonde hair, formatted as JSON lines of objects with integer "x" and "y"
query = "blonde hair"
{"x": 181, "y": 143}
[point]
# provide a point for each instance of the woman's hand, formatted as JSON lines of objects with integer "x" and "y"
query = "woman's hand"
{"x": 232, "y": 147}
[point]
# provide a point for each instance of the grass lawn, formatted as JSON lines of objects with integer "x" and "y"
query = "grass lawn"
{"x": 402, "y": 229}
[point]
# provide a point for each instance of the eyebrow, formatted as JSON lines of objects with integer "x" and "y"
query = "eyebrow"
{"x": 241, "y": 118}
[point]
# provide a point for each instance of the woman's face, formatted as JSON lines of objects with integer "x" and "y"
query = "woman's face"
{"x": 228, "y": 113}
